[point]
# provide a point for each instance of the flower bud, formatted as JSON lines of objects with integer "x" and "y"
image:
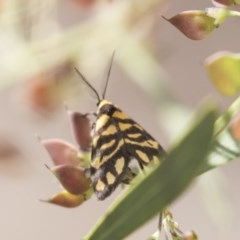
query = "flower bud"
{"x": 222, "y": 3}
{"x": 235, "y": 127}
{"x": 41, "y": 94}
{"x": 61, "y": 152}
{"x": 223, "y": 68}
{"x": 195, "y": 24}
{"x": 46, "y": 90}
{"x": 72, "y": 178}
{"x": 8, "y": 149}
{"x": 66, "y": 199}
{"x": 190, "y": 235}
{"x": 81, "y": 129}
{"x": 85, "y": 3}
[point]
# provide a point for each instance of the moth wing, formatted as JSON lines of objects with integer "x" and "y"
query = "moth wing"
{"x": 118, "y": 139}
{"x": 139, "y": 143}
{"x": 110, "y": 160}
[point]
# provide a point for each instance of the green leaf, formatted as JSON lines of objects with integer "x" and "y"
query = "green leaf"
{"x": 226, "y": 117}
{"x": 226, "y": 147}
{"x": 160, "y": 186}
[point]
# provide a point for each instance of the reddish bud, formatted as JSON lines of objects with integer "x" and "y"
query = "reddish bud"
{"x": 222, "y": 3}
{"x": 61, "y": 152}
{"x": 81, "y": 129}
{"x": 235, "y": 128}
{"x": 66, "y": 199}
{"x": 8, "y": 149}
{"x": 85, "y": 3}
{"x": 196, "y": 25}
{"x": 46, "y": 90}
{"x": 72, "y": 178}
{"x": 41, "y": 94}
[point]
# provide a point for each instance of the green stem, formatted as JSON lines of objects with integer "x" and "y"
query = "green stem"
{"x": 226, "y": 117}
{"x": 234, "y": 13}
{"x": 227, "y": 150}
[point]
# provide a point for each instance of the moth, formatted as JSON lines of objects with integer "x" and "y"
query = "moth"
{"x": 117, "y": 139}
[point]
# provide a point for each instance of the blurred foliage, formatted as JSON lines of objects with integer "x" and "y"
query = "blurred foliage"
{"x": 8, "y": 149}
{"x": 33, "y": 40}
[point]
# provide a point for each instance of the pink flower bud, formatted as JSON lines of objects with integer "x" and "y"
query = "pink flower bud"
{"x": 195, "y": 24}
{"x": 46, "y": 90}
{"x": 85, "y": 3}
{"x": 66, "y": 199}
{"x": 81, "y": 128}
{"x": 72, "y": 178}
{"x": 222, "y": 3}
{"x": 61, "y": 152}
{"x": 8, "y": 149}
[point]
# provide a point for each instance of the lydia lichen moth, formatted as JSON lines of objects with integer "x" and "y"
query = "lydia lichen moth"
{"x": 116, "y": 140}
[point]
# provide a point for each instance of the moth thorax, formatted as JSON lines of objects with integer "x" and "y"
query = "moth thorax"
{"x": 105, "y": 107}
{"x": 104, "y": 102}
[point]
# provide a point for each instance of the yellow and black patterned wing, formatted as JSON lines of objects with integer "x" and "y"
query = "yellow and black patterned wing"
{"x": 117, "y": 139}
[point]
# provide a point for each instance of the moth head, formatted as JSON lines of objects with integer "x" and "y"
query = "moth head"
{"x": 105, "y": 107}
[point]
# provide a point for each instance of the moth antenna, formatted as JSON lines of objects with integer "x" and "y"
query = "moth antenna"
{"x": 109, "y": 71}
{"x": 89, "y": 85}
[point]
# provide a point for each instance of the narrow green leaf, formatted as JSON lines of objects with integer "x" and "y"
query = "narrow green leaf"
{"x": 226, "y": 117}
{"x": 160, "y": 187}
{"x": 226, "y": 148}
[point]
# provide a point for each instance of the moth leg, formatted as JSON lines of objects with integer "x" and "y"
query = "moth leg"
{"x": 129, "y": 175}
{"x": 141, "y": 165}
{"x": 90, "y": 113}
{"x": 87, "y": 171}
